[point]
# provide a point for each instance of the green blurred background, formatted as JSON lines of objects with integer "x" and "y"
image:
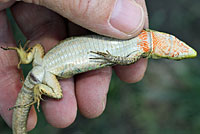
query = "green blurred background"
{"x": 166, "y": 101}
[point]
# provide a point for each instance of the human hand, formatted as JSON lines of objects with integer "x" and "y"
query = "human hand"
{"x": 46, "y": 27}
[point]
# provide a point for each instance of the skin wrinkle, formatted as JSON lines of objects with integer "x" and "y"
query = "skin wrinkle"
{"x": 58, "y": 6}
{"x": 102, "y": 14}
{"x": 82, "y": 5}
{"x": 6, "y": 73}
{"x": 7, "y": 59}
{"x": 106, "y": 26}
{"x": 86, "y": 10}
{"x": 102, "y": 18}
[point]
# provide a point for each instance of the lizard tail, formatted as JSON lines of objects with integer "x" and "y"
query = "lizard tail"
{"x": 20, "y": 111}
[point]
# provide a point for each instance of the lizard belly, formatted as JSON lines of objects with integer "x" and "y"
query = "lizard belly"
{"x": 72, "y": 56}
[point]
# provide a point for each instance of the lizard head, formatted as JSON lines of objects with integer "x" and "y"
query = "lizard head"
{"x": 170, "y": 47}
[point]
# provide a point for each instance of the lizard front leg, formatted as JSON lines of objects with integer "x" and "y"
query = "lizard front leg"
{"x": 27, "y": 56}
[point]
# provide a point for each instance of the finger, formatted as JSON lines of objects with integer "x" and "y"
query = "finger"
{"x": 43, "y": 26}
{"x": 39, "y": 24}
{"x": 142, "y": 3}
{"x": 91, "y": 94}
{"x": 63, "y": 110}
{"x": 88, "y": 88}
{"x": 135, "y": 72}
{"x": 5, "y": 4}
{"x": 10, "y": 76}
{"x": 116, "y": 18}
{"x": 91, "y": 91}
{"x": 132, "y": 73}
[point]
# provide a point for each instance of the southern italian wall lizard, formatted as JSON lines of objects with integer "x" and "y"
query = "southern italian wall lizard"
{"x": 80, "y": 54}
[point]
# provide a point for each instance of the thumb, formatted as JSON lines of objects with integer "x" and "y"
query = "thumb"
{"x": 115, "y": 18}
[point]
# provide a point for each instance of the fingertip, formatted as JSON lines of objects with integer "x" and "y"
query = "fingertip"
{"x": 142, "y": 3}
{"x": 62, "y": 112}
{"x": 32, "y": 119}
{"x": 127, "y": 17}
{"x": 132, "y": 73}
{"x": 93, "y": 110}
{"x": 91, "y": 91}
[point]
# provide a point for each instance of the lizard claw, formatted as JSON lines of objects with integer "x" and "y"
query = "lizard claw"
{"x": 4, "y": 48}
{"x": 22, "y": 53}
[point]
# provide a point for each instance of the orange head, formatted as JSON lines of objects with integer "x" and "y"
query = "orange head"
{"x": 168, "y": 46}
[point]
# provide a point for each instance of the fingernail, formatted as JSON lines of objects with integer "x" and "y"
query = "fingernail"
{"x": 127, "y": 16}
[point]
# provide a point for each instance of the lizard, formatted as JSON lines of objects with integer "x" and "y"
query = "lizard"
{"x": 81, "y": 54}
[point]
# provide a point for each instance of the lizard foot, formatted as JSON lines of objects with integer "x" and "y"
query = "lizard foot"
{"x": 105, "y": 56}
{"x": 22, "y": 53}
{"x": 37, "y": 97}
{"x": 118, "y": 60}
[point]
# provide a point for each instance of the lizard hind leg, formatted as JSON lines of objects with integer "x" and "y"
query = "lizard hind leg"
{"x": 37, "y": 91}
{"x": 118, "y": 60}
{"x": 51, "y": 88}
{"x": 104, "y": 57}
